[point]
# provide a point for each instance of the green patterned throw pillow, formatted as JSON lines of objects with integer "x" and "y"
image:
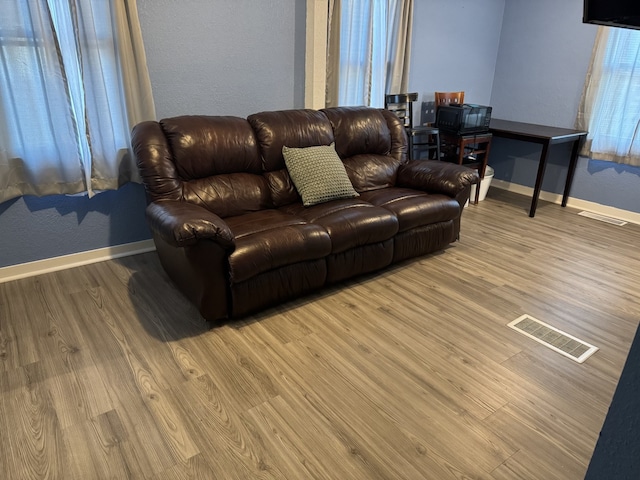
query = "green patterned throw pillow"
{"x": 318, "y": 174}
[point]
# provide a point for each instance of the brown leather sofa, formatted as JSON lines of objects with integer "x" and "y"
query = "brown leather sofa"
{"x": 229, "y": 225}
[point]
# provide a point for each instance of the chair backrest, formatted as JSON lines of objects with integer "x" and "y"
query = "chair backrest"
{"x": 402, "y": 105}
{"x": 428, "y": 113}
{"x": 448, "y": 98}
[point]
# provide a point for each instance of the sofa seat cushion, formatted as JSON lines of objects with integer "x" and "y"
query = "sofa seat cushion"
{"x": 270, "y": 239}
{"x": 350, "y": 222}
{"x": 414, "y": 208}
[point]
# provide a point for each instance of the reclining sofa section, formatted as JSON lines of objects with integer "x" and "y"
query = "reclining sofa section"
{"x": 230, "y": 226}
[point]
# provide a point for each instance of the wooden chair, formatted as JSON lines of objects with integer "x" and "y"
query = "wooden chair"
{"x": 471, "y": 150}
{"x": 450, "y": 146}
{"x": 421, "y": 138}
{"x": 448, "y": 98}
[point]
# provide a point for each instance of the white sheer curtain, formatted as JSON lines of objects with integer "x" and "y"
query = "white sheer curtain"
{"x": 73, "y": 82}
{"x": 368, "y": 50}
{"x": 610, "y": 105}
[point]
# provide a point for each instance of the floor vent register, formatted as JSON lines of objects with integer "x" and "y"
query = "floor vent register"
{"x": 603, "y": 218}
{"x": 555, "y": 339}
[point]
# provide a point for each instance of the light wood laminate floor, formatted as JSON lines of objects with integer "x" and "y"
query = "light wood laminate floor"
{"x": 106, "y": 371}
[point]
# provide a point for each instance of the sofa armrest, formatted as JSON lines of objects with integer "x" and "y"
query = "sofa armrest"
{"x": 182, "y": 224}
{"x": 437, "y": 177}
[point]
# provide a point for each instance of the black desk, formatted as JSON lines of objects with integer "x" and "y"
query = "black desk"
{"x": 546, "y": 136}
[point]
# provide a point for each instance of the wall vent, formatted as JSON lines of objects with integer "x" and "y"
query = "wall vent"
{"x": 603, "y": 218}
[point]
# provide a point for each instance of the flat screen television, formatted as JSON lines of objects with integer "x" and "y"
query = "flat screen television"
{"x": 612, "y": 13}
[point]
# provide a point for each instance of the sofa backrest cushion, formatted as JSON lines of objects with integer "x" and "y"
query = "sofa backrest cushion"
{"x": 229, "y": 195}
{"x": 290, "y": 128}
{"x": 371, "y": 144}
{"x": 233, "y": 166}
{"x": 203, "y": 146}
{"x": 218, "y": 161}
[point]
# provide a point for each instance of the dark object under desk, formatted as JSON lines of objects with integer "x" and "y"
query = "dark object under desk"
{"x": 546, "y": 136}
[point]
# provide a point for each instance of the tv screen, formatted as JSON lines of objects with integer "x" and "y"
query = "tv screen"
{"x": 612, "y": 13}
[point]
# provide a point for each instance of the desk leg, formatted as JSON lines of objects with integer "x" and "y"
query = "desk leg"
{"x": 483, "y": 169}
{"x": 572, "y": 169}
{"x": 541, "y": 168}
{"x": 410, "y": 146}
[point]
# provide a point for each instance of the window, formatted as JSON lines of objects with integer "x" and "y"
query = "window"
{"x": 610, "y": 107}
{"x": 363, "y": 33}
{"x": 368, "y": 52}
{"x": 66, "y": 83}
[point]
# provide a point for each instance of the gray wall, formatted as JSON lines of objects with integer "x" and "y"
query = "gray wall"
{"x": 543, "y": 57}
{"x": 455, "y": 47}
{"x": 222, "y": 57}
{"x": 34, "y": 228}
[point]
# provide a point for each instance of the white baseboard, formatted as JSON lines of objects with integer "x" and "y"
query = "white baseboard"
{"x": 626, "y": 215}
{"x": 14, "y": 272}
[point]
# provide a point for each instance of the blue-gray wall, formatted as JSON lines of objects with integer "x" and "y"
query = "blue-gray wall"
{"x": 527, "y": 59}
{"x": 543, "y": 58}
{"x": 34, "y": 228}
{"x": 455, "y": 48}
{"x": 222, "y": 57}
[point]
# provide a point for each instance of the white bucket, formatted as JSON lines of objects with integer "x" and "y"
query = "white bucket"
{"x": 484, "y": 185}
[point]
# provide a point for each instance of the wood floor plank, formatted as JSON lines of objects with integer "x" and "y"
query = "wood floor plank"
{"x": 341, "y": 450}
{"x": 107, "y": 371}
{"x": 150, "y": 383}
{"x": 424, "y": 396}
{"x": 537, "y": 459}
{"x": 221, "y": 431}
{"x": 33, "y": 435}
{"x": 239, "y": 372}
{"x": 284, "y": 429}
{"x": 8, "y": 461}
{"x": 19, "y": 326}
{"x": 374, "y": 455}
{"x": 195, "y": 468}
{"x": 321, "y": 388}
{"x": 454, "y": 372}
{"x": 98, "y": 449}
{"x": 8, "y": 356}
